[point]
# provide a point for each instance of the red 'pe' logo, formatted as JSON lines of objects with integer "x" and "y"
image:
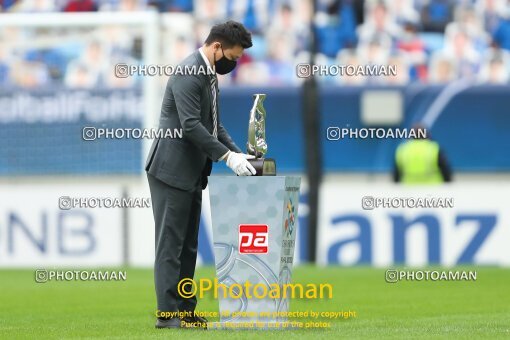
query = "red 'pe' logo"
{"x": 253, "y": 238}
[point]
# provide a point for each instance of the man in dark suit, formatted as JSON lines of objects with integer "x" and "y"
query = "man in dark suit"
{"x": 177, "y": 169}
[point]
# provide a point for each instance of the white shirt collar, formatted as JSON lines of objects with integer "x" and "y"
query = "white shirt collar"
{"x": 207, "y": 63}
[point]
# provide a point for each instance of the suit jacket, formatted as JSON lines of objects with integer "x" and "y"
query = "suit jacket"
{"x": 187, "y": 104}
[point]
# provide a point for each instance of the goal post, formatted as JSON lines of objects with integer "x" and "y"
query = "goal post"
{"x": 147, "y": 21}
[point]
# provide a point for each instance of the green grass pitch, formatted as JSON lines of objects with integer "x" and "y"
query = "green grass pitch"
{"x": 407, "y": 310}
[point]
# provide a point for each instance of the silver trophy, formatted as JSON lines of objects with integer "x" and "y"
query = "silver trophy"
{"x": 257, "y": 145}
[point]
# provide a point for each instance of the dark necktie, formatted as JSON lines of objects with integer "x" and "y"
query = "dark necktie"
{"x": 214, "y": 83}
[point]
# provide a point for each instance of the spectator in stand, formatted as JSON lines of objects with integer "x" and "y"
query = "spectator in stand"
{"x": 358, "y": 7}
{"x": 501, "y": 35}
{"x": 132, "y": 5}
{"x": 80, "y": 6}
{"x": 402, "y": 64}
{"x": 442, "y": 69}
{"x": 172, "y": 5}
{"x": 375, "y": 51}
{"x": 253, "y": 68}
{"x": 496, "y": 69}
{"x": 52, "y": 58}
{"x": 436, "y": 14}
{"x": 492, "y": 12}
{"x": 459, "y": 47}
{"x": 178, "y": 45}
{"x": 30, "y": 74}
{"x": 253, "y": 74}
{"x": 336, "y": 27}
{"x": 79, "y": 75}
{"x": 379, "y": 23}
{"x": 467, "y": 18}
{"x": 255, "y": 15}
{"x": 385, "y": 33}
{"x": 123, "y": 5}
{"x": 34, "y": 6}
{"x": 303, "y": 11}
{"x": 210, "y": 11}
{"x": 5, "y": 61}
{"x": 413, "y": 49}
{"x": 403, "y": 11}
{"x": 286, "y": 22}
{"x": 348, "y": 57}
{"x": 5, "y": 5}
{"x": 90, "y": 68}
{"x": 280, "y": 55}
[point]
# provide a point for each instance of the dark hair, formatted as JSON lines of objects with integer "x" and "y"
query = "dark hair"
{"x": 230, "y": 34}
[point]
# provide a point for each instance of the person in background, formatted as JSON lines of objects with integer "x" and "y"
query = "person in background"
{"x": 460, "y": 48}
{"x": 404, "y": 11}
{"x": 80, "y": 6}
{"x": 255, "y": 15}
{"x": 442, "y": 69}
{"x": 5, "y": 5}
{"x": 78, "y": 75}
{"x": 379, "y": 23}
{"x": 87, "y": 71}
{"x": 421, "y": 161}
{"x": 185, "y": 6}
{"x": 5, "y": 61}
{"x": 413, "y": 49}
{"x": 350, "y": 57}
{"x": 402, "y": 65}
{"x": 496, "y": 69}
{"x": 491, "y": 12}
{"x": 501, "y": 35}
{"x": 436, "y": 14}
{"x": 122, "y": 5}
{"x": 34, "y": 6}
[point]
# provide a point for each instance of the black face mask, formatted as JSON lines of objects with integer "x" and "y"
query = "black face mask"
{"x": 224, "y": 65}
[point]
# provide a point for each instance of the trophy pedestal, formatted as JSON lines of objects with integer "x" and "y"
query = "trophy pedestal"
{"x": 264, "y": 166}
{"x": 254, "y": 224}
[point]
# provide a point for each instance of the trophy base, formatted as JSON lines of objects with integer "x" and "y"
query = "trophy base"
{"x": 264, "y": 166}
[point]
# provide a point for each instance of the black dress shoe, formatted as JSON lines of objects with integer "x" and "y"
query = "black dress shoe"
{"x": 194, "y": 321}
{"x": 168, "y": 323}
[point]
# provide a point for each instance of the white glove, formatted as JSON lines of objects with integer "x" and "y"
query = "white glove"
{"x": 239, "y": 164}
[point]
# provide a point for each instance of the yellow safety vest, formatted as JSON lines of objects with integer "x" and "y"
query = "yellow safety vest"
{"x": 417, "y": 162}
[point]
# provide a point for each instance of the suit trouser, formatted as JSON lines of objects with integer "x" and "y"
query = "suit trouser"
{"x": 177, "y": 217}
